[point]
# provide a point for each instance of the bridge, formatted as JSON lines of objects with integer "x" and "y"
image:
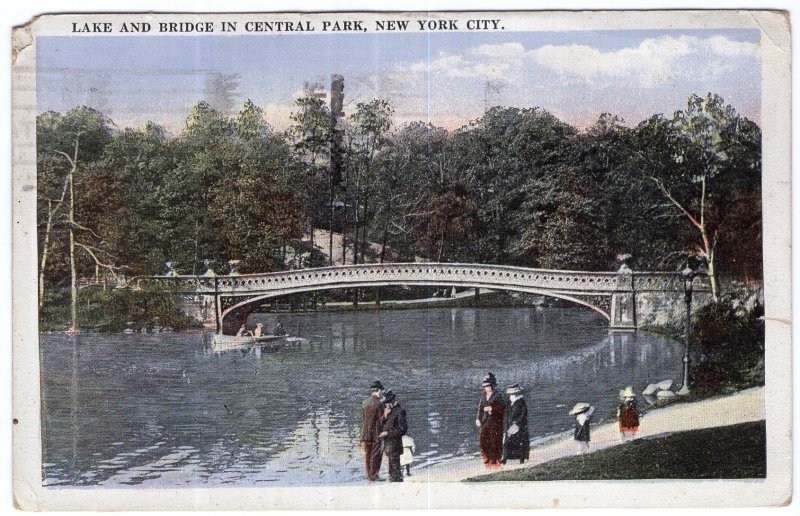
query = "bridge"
{"x": 625, "y": 298}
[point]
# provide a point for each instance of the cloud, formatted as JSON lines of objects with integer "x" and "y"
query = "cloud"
{"x": 481, "y": 62}
{"x": 503, "y": 51}
{"x": 722, "y": 46}
{"x": 655, "y": 61}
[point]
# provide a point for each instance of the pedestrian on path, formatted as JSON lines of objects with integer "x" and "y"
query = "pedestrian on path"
{"x": 517, "y": 445}
{"x": 371, "y": 421}
{"x": 489, "y": 421}
{"x": 583, "y": 413}
{"x": 408, "y": 453}
{"x": 627, "y": 414}
{"x": 394, "y": 427}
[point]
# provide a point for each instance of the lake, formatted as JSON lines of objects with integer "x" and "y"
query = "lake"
{"x": 167, "y": 410}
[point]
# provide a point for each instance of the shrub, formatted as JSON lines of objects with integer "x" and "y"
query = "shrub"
{"x": 728, "y": 340}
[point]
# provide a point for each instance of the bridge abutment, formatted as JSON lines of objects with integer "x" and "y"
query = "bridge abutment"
{"x": 623, "y": 312}
{"x": 202, "y": 308}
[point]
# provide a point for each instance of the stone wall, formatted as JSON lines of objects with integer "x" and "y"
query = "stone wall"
{"x": 666, "y": 309}
{"x": 200, "y": 308}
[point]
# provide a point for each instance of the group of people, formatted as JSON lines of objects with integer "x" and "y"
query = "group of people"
{"x": 258, "y": 331}
{"x": 383, "y": 432}
{"x": 627, "y": 418}
{"x": 502, "y": 427}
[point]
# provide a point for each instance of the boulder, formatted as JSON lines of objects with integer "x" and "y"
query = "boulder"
{"x": 665, "y": 385}
{"x": 650, "y": 390}
{"x": 665, "y": 394}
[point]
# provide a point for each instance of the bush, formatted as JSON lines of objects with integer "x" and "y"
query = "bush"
{"x": 728, "y": 340}
{"x": 114, "y": 310}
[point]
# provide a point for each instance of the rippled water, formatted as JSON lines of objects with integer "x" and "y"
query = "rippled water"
{"x": 167, "y": 410}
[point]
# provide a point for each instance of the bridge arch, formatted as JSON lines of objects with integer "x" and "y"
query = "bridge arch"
{"x": 239, "y": 311}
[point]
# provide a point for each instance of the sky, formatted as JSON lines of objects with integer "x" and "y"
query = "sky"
{"x": 447, "y": 79}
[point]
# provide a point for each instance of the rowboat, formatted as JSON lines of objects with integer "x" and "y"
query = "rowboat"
{"x": 232, "y": 342}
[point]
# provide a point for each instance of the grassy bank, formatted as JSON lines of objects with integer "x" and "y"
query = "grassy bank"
{"x": 736, "y": 451}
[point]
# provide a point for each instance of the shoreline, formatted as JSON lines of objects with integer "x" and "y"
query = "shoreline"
{"x": 728, "y": 409}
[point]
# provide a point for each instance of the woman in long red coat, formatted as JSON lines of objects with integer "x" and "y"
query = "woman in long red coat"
{"x": 490, "y": 423}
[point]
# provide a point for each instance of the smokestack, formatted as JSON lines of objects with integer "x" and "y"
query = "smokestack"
{"x": 337, "y": 134}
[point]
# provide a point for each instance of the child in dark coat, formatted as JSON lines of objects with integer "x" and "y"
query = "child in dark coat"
{"x": 583, "y": 413}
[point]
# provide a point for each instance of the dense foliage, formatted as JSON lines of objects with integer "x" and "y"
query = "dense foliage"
{"x": 515, "y": 186}
{"x": 728, "y": 344}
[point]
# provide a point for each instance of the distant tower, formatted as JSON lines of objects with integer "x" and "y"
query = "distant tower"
{"x": 492, "y": 90}
{"x": 337, "y": 134}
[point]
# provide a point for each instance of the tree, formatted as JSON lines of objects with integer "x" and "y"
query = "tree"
{"x": 255, "y": 213}
{"x": 506, "y": 154}
{"x": 696, "y": 161}
{"x": 371, "y": 123}
{"x": 134, "y": 167}
{"x": 78, "y": 137}
{"x": 310, "y": 138}
{"x": 413, "y": 169}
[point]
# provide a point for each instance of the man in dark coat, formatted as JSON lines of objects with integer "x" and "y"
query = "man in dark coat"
{"x": 371, "y": 420}
{"x": 490, "y": 423}
{"x": 393, "y": 429}
{"x": 515, "y": 422}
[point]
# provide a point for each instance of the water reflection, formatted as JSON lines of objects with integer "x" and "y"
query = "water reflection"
{"x": 170, "y": 410}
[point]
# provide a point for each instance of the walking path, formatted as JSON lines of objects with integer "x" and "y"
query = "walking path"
{"x": 741, "y": 407}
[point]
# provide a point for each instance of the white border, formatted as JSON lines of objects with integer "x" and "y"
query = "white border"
{"x": 22, "y": 12}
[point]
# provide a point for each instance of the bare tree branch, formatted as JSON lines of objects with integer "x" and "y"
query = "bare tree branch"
{"x": 110, "y": 268}
{"x": 678, "y": 205}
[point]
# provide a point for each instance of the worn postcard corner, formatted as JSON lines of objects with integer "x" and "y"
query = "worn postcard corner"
{"x": 380, "y": 260}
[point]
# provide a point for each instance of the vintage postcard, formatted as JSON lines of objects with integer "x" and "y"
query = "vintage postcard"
{"x": 402, "y": 260}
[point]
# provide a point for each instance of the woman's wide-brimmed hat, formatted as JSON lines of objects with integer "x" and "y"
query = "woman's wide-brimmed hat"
{"x": 514, "y": 390}
{"x": 581, "y": 408}
{"x": 489, "y": 381}
{"x": 627, "y": 392}
{"x": 388, "y": 396}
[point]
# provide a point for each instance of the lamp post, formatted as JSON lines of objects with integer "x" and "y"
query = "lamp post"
{"x": 688, "y": 275}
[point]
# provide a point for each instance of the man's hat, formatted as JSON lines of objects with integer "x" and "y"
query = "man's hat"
{"x": 514, "y": 390}
{"x": 376, "y": 386}
{"x": 388, "y": 396}
{"x": 489, "y": 381}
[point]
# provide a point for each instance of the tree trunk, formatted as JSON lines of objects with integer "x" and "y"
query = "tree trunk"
{"x": 46, "y": 246}
{"x": 72, "y": 270}
{"x": 196, "y": 247}
{"x": 44, "y": 253}
{"x": 709, "y": 251}
{"x": 356, "y": 218}
{"x": 311, "y": 237}
{"x": 363, "y": 247}
{"x": 383, "y": 256}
